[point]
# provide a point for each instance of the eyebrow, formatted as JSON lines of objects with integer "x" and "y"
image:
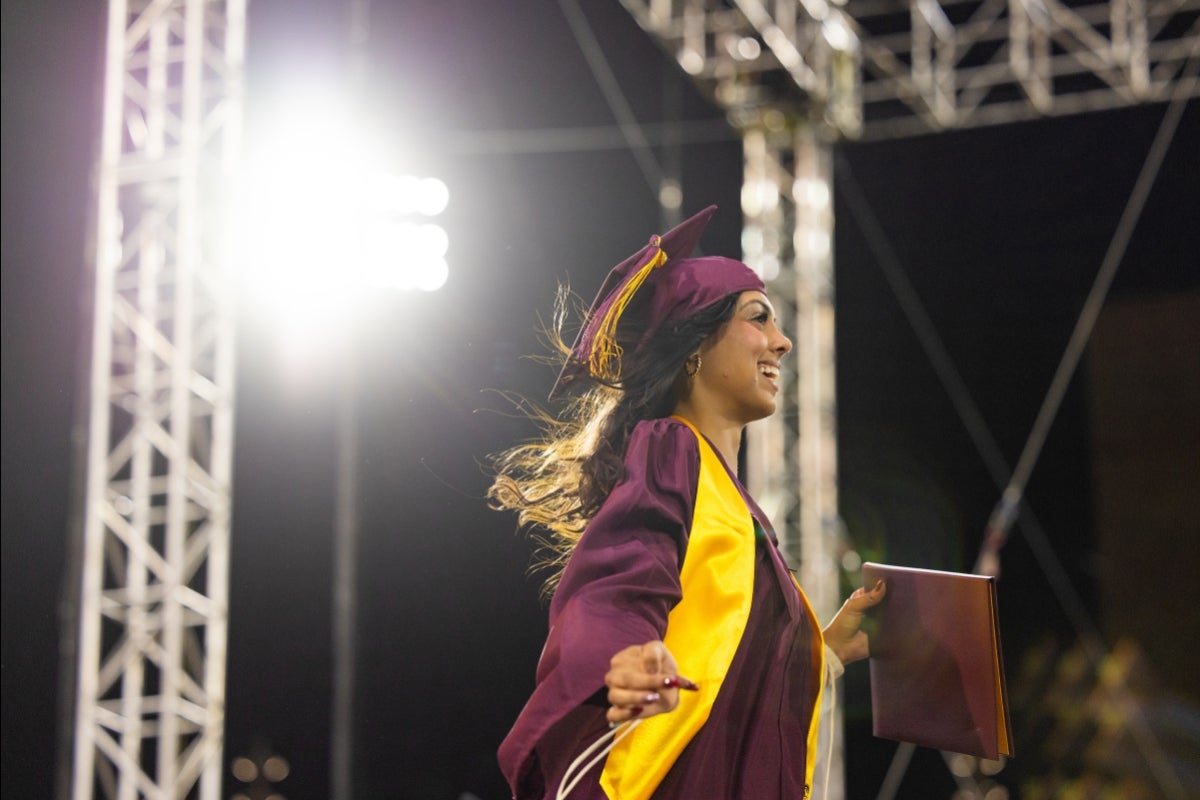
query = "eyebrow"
{"x": 754, "y": 301}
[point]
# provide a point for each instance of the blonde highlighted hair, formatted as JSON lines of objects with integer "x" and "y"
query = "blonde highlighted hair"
{"x": 558, "y": 481}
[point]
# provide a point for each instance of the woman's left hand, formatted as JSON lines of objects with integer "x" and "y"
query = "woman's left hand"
{"x": 844, "y": 634}
{"x": 642, "y": 681}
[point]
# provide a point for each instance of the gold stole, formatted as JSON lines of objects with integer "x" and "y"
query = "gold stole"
{"x": 703, "y": 632}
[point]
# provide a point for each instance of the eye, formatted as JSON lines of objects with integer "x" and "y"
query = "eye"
{"x": 761, "y": 318}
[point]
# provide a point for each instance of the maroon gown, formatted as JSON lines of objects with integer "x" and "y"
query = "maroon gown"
{"x": 619, "y": 586}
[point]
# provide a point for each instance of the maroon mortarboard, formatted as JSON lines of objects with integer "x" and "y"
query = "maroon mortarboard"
{"x": 678, "y": 287}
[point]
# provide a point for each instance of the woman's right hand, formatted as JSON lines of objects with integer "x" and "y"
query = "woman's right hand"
{"x": 642, "y": 681}
{"x": 844, "y": 634}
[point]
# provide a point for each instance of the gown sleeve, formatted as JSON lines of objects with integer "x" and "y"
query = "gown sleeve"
{"x": 620, "y": 584}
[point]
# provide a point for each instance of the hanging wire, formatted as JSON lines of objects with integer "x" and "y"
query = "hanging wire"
{"x": 960, "y": 397}
{"x": 1012, "y": 497}
{"x": 631, "y": 130}
{"x": 1006, "y": 509}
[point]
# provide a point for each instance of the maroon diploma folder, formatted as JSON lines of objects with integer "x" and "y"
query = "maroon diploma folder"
{"x": 937, "y": 676}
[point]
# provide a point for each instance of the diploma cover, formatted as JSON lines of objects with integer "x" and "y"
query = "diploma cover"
{"x": 937, "y": 674}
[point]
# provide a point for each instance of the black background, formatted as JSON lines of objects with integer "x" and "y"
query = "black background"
{"x": 1000, "y": 230}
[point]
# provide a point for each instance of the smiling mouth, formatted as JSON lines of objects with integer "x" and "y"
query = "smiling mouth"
{"x": 769, "y": 371}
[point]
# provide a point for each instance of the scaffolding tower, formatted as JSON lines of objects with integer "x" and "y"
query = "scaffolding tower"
{"x": 793, "y": 75}
{"x": 152, "y": 614}
{"x": 796, "y": 76}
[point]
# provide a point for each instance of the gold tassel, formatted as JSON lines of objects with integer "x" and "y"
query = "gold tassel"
{"x": 605, "y": 358}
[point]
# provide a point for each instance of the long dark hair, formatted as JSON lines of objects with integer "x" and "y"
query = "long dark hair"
{"x": 558, "y": 481}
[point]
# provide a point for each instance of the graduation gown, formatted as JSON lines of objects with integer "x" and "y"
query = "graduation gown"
{"x": 620, "y": 587}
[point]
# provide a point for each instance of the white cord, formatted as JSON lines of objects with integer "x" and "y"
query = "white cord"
{"x": 618, "y": 733}
{"x": 569, "y": 782}
{"x": 832, "y": 732}
{"x": 833, "y": 669}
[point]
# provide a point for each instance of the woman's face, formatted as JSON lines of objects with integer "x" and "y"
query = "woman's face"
{"x": 739, "y": 371}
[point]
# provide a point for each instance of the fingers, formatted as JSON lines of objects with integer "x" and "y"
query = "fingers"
{"x": 861, "y": 599}
{"x": 630, "y": 704}
{"x": 642, "y": 682}
{"x": 877, "y": 592}
{"x": 845, "y": 634}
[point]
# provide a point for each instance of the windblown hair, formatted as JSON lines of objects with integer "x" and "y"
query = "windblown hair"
{"x": 558, "y": 481}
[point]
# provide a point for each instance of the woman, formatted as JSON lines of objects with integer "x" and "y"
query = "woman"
{"x": 672, "y": 579}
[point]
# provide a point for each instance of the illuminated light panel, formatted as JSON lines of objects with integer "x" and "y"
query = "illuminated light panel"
{"x": 321, "y": 223}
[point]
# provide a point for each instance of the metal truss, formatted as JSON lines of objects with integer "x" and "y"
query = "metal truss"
{"x": 792, "y": 456}
{"x": 791, "y": 459}
{"x": 930, "y": 65}
{"x": 149, "y": 709}
{"x": 799, "y": 57}
{"x": 878, "y": 69}
{"x": 795, "y": 75}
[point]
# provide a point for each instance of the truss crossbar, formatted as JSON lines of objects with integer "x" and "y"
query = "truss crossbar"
{"x": 793, "y": 75}
{"x": 149, "y": 710}
{"x": 885, "y": 68}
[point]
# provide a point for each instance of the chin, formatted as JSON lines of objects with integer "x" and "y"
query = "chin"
{"x": 765, "y": 412}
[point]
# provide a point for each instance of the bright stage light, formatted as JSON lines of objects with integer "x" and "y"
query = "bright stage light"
{"x": 322, "y": 222}
{"x": 407, "y": 194}
{"x": 407, "y": 255}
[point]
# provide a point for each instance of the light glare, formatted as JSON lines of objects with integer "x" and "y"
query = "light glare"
{"x": 838, "y": 34}
{"x": 759, "y": 197}
{"x": 433, "y": 197}
{"x": 320, "y": 223}
{"x": 748, "y": 48}
{"x": 407, "y": 256}
{"x": 812, "y": 192}
{"x": 670, "y": 195}
{"x": 769, "y": 268}
{"x": 244, "y": 769}
{"x": 691, "y": 62}
{"x": 275, "y": 769}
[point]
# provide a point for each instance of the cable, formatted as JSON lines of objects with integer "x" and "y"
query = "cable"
{"x": 1012, "y": 498}
{"x": 960, "y": 397}
{"x": 1005, "y": 511}
{"x": 630, "y": 128}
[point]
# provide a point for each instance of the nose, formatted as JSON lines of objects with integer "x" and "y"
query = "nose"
{"x": 780, "y": 343}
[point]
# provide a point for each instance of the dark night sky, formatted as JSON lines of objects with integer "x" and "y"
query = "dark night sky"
{"x": 1001, "y": 232}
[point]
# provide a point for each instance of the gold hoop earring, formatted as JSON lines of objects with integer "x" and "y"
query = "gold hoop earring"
{"x": 692, "y": 371}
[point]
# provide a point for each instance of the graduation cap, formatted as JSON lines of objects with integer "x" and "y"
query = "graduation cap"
{"x": 674, "y": 287}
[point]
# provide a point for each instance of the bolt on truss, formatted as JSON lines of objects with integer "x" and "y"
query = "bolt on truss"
{"x": 149, "y": 707}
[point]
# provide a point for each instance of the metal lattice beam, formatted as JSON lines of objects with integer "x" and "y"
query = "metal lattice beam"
{"x": 931, "y": 66}
{"x": 791, "y": 458}
{"x": 149, "y": 709}
{"x": 799, "y": 58}
{"x": 885, "y": 68}
{"x": 795, "y": 75}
